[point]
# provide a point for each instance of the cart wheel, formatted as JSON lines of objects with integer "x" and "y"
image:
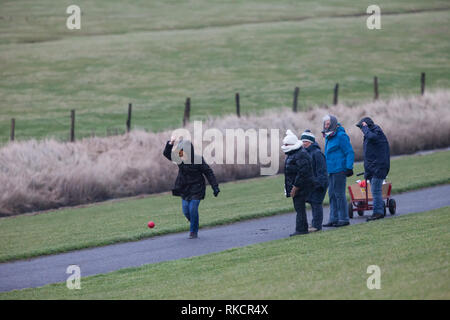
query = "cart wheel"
{"x": 350, "y": 210}
{"x": 360, "y": 212}
{"x": 384, "y": 208}
{"x": 392, "y": 206}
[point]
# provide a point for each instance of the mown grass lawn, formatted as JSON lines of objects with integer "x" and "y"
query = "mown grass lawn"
{"x": 411, "y": 251}
{"x": 156, "y": 54}
{"x": 26, "y": 21}
{"x": 110, "y": 222}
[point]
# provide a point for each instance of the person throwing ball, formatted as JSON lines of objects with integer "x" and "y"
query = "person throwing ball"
{"x": 190, "y": 183}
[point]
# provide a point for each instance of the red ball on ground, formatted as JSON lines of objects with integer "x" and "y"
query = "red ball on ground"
{"x": 151, "y": 224}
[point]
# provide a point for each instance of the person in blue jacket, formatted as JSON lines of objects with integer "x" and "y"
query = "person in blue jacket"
{"x": 376, "y": 162}
{"x": 339, "y": 155}
{"x": 320, "y": 177}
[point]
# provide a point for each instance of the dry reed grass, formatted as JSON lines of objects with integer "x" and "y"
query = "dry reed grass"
{"x": 40, "y": 175}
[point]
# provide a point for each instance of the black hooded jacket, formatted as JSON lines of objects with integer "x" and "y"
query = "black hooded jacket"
{"x": 298, "y": 172}
{"x": 376, "y": 150}
{"x": 319, "y": 166}
{"x": 190, "y": 183}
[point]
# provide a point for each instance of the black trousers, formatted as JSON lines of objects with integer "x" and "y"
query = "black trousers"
{"x": 301, "y": 221}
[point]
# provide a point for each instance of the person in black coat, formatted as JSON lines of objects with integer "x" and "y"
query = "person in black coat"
{"x": 190, "y": 183}
{"x": 298, "y": 179}
{"x": 376, "y": 162}
{"x": 320, "y": 177}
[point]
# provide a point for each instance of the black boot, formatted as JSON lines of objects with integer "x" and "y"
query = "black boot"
{"x": 341, "y": 224}
{"x": 375, "y": 216}
{"x": 329, "y": 225}
{"x": 193, "y": 235}
{"x": 297, "y": 233}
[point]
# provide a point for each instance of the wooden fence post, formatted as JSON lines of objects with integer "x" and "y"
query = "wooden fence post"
{"x": 375, "y": 88}
{"x": 13, "y": 128}
{"x": 238, "y": 105}
{"x": 295, "y": 103}
{"x": 187, "y": 111}
{"x": 422, "y": 83}
{"x": 336, "y": 92}
{"x": 72, "y": 125}
{"x": 129, "y": 118}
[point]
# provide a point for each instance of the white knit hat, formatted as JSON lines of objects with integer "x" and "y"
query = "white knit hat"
{"x": 290, "y": 138}
{"x": 290, "y": 142}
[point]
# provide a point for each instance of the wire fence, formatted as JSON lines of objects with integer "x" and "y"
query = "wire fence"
{"x": 120, "y": 130}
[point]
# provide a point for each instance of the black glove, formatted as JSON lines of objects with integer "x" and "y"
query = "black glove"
{"x": 349, "y": 172}
{"x": 216, "y": 191}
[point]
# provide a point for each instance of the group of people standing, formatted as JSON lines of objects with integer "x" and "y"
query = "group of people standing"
{"x": 309, "y": 172}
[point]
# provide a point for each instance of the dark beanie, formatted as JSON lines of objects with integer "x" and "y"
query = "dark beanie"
{"x": 308, "y": 136}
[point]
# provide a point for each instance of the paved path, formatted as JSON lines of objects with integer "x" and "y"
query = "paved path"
{"x": 50, "y": 269}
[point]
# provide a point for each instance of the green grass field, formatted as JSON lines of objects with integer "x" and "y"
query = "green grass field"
{"x": 411, "y": 251}
{"x": 29, "y": 22}
{"x": 95, "y": 225}
{"x": 155, "y": 54}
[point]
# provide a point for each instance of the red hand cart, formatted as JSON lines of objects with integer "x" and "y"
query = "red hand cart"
{"x": 361, "y": 198}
